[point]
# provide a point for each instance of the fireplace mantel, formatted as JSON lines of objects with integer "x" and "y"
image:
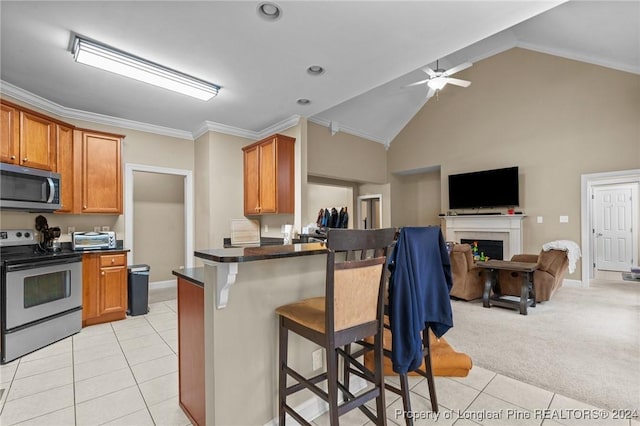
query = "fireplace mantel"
{"x": 507, "y": 228}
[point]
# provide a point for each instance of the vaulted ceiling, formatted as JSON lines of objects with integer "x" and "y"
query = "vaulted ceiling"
{"x": 370, "y": 50}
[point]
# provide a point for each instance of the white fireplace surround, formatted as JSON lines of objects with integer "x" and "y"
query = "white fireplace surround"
{"x": 505, "y": 228}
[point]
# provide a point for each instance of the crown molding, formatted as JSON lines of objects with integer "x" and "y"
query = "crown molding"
{"x": 36, "y": 101}
{"x": 578, "y": 57}
{"x": 350, "y": 130}
{"x": 211, "y": 126}
{"x": 70, "y": 113}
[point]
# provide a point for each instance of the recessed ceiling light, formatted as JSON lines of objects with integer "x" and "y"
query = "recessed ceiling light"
{"x": 269, "y": 11}
{"x": 315, "y": 70}
{"x": 303, "y": 101}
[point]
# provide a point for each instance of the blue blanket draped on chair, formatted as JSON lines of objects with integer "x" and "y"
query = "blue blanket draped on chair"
{"x": 419, "y": 288}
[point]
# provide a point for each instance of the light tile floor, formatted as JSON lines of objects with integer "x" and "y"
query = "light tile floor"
{"x": 125, "y": 373}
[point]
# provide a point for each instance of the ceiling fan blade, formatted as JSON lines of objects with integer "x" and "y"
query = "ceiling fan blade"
{"x": 431, "y": 73}
{"x": 430, "y": 93}
{"x": 458, "y": 68}
{"x": 458, "y": 82}
{"x": 417, "y": 83}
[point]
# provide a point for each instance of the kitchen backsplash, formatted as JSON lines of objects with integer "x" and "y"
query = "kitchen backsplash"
{"x": 24, "y": 220}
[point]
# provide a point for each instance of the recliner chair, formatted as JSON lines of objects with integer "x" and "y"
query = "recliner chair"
{"x": 468, "y": 282}
{"x": 547, "y": 279}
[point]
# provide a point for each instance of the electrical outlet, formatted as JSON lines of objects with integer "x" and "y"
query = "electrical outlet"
{"x": 540, "y": 220}
{"x": 564, "y": 219}
{"x": 71, "y": 229}
{"x": 96, "y": 229}
{"x": 316, "y": 359}
{"x": 266, "y": 228}
{"x": 105, "y": 229}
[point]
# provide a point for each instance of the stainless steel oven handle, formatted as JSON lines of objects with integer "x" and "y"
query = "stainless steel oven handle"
{"x": 52, "y": 190}
{"x": 42, "y": 263}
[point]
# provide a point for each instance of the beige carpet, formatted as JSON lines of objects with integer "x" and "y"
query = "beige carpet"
{"x": 584, "y": 343}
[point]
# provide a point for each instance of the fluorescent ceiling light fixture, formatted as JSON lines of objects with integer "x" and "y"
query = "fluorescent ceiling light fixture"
{"x": 107, "y": 58}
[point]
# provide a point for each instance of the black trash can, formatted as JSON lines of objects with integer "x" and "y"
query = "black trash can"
{"x": 138, "y": 288}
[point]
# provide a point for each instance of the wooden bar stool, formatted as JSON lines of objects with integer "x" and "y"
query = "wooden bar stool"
{"x": 351, "y": 310}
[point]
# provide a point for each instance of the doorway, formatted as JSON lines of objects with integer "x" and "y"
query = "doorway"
{"x": 609, "y": 221}
{"x": 188, "y": 223}
{"x": 613, "y": 208}
{"x": 370, "y": 211}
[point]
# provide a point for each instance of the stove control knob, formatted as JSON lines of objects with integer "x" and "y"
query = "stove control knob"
{"x": 27, "y": 235}
{"x": 18, "y": 234}
{"x": 3, "y": 235}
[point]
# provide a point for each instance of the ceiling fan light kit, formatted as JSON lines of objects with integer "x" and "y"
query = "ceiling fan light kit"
{"x": 439, "y": 78}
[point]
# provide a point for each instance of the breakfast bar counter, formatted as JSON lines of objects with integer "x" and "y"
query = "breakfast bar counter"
{"x": 242, "y": 289}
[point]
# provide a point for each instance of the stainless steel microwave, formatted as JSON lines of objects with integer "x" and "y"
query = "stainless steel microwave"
{"x": 27, "y": 189}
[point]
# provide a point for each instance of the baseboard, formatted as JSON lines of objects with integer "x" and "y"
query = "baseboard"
{"x": 314, "y": 407}
{"x": 162, "y": 284}
{"x": 572, "y": 283}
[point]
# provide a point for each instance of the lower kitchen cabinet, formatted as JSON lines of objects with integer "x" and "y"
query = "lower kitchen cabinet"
{"x": 104, "y": 287}
{"x": 191, "y": 350}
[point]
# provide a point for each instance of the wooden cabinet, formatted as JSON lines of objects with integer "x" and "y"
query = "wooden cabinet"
{"x": 191, "y": 350}
{"x": 98, "y": 177}
{"x": 9, "y": 136}
{"x": 104, "y": 287}
{"x": 27, "y": 138}
{"x": 269, "y": 176}
{"x": 64, "y": 135}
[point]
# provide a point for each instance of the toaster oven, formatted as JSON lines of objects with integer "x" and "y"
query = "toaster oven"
{"x": 93, "y": 240}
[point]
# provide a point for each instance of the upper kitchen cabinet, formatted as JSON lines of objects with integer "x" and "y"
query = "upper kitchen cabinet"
{"x": 269, "y": 176}
{"x": 27, "y": 138}
{"x": 98, "y": 179}
{"x": 64, "y": 136}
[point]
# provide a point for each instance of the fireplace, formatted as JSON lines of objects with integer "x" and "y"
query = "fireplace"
{"x": 504, "y": 228}
{"x": 491, "y": 248}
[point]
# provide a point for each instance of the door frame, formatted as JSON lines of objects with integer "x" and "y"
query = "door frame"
{"x": 588, "y": 182}
{"x": 188, "y": 207}
{"x": 368, "y": 197}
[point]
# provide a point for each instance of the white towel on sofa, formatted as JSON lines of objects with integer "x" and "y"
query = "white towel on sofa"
{"x": 572, "y": 249}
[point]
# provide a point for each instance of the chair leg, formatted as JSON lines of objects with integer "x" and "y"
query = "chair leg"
{"x": 332, "y": 385}
{"x": 345, "y": 370}
{"x": 282, "y": 374}
{"x": 429, "y": 370}
{"x": 406, "y": 398}
{"x": 381, "y": 412}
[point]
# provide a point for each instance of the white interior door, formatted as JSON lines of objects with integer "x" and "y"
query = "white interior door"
{"x": 613, "y": 227}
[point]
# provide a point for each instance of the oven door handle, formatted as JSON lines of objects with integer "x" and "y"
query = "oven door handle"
{"x": 41, "y": 263}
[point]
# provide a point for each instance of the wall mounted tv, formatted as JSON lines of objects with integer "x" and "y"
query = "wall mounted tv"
{"x": 486, "y": 188}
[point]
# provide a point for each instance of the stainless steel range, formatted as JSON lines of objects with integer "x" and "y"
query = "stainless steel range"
{"x": 41, "y": 294}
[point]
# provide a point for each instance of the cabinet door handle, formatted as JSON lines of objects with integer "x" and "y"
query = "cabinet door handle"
{"x": 25, "y": 159}
{"x": 113, "y": 261}
{"x": 84, "y": 207}
{"x": 13, "y": 157}
{"x": 102, "y": 273}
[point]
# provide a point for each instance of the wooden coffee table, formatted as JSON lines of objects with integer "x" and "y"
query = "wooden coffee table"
{"x": 527, "y": 292}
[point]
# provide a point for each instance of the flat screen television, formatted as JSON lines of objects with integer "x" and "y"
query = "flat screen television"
{"x": 486, "y": 188}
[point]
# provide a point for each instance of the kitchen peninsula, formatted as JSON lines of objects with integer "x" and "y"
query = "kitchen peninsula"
{"x": 242, "y": 288}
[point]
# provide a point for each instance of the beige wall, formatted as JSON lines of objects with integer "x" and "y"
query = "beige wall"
{"x": 159, "y": 223}
{"x": 416, "y": 199}
{"x": 554, "y": 118}
{"x": 346, "y": 157}
{"x": 218, "y": 177}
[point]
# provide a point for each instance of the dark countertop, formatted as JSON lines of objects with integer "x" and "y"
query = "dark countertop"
{"x": 250, "y": 254}
{"x": 194, "y": 275}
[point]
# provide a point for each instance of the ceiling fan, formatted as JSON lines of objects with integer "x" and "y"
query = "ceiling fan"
{"x": 439, "y": 78}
